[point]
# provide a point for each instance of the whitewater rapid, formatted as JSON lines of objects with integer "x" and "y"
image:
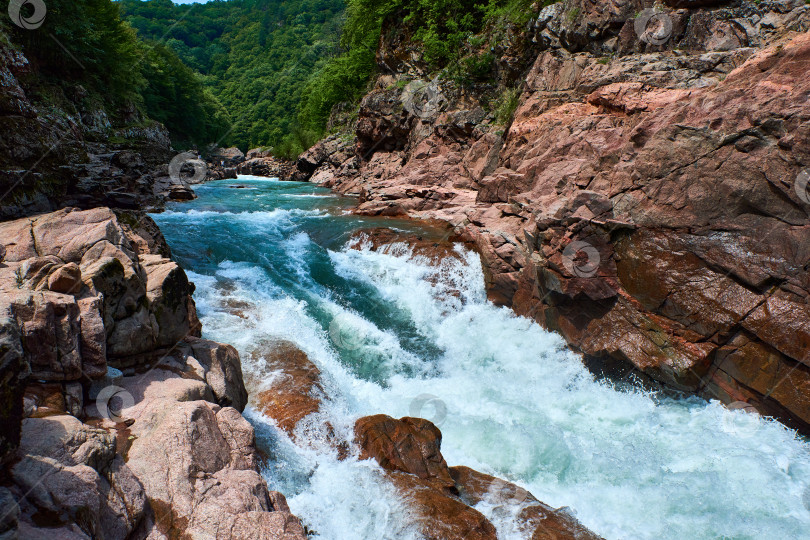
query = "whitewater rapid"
{"x": 394, "y": 333}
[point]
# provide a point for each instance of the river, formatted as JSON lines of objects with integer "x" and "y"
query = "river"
{"x": 395, "y": 334}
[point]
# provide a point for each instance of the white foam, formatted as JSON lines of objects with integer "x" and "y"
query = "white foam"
{"x": 511, "y": 401}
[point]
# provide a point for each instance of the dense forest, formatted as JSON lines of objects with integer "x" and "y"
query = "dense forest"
{"x": 255, "y": 56}
{"x": 279, "y": 68}
{"x": 251, "y": 72}
{"x": 87, "y": 44}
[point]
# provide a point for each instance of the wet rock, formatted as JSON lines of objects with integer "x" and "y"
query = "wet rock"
{"x": 181, "y": 193}
{"x": 539, "y": 521}
{"x": 409, "y": 449}
{"x": 410, "y": 445}
{"x": 295, "y": 392}
{"x": 439, "y": 515}
{"x": 441, "y": 497}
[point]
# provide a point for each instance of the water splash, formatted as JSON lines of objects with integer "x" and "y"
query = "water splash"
{"x": 515, "y": 402}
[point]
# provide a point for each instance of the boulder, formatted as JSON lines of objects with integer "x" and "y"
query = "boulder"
{"x": 197, "y": 463}
{"x": 168, "y": 290}
{"x": 410, "y": 445}
{"x": 228, "y": 156}
{"x": 181, "y": 193}
{"x": 220, "y": 367}
{"x": 66, "y": 279}
{"x": 295, "y": 390}
{"x": 442, "y": 497}
{"x": 71, "y": 472}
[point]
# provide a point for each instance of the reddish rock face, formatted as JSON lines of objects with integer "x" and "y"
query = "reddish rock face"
{"x": 644, "y": 200}
{"x": 410, "y": 445}
{"x": 443, "y": 497}
{"x": 296, "y": 393}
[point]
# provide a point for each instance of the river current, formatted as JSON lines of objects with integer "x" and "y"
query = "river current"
{"x": 393, "y": 333}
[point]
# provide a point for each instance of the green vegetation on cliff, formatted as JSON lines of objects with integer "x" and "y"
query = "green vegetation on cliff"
{"x": 280, "y": 68}
{"x": 454, "y": 36}
{"x": 87, "y": 43}
{"x": 255, "y": 56}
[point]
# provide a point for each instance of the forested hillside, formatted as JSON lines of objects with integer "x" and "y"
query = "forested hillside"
{"x": 88, "y": 44}
{"x": 256, "y": 56}
{"x": 279, "y": 68}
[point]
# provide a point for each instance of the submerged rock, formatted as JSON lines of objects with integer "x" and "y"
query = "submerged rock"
{"x": 295, "y": 392}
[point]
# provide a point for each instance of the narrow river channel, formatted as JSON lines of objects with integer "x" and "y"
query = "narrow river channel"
{"x": 397, "y": 334}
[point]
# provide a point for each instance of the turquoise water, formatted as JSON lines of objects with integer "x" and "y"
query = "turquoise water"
{"x": 397, "y": 334}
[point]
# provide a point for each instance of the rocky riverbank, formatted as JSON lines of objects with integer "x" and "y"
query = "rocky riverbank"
{"x": 646, "y": 199}
{"x": 118, "y": 420}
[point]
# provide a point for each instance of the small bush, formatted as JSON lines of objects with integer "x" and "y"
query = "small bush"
{"x": 505, "y": 105}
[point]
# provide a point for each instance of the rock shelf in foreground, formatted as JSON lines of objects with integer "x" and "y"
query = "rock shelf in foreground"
{"x": 118, "y": 420}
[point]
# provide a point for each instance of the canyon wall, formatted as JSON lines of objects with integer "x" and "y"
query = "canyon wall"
{"x": 647, "y": 198}
{"x": 60, "y": 146}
